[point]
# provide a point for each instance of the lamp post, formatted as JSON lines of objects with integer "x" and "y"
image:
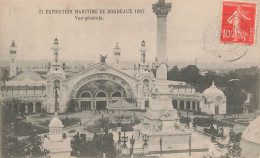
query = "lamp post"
{"x": 145, "y": 139}
{"x": 160, "y": 145}
{"x": 119, "y": 137}
{"x": 125, "y": 139}
{"x": 119, "y": 142}
{"x": 132, "y": 142}
{"x": 103, "y": 122}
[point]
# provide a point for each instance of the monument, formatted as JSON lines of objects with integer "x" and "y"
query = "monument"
{"x": 161, "y": 120}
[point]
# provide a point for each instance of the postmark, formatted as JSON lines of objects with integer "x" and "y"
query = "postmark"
{"x": 238, "y": 22}
{"x": 227, "y": 52}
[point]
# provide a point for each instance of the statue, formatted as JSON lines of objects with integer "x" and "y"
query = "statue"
{"x": 103, "y": 58}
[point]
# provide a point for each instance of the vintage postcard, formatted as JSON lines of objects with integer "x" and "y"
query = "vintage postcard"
{"x": 132, "y": 78}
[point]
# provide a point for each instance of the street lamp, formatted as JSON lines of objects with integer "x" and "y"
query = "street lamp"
{"x": 119, "y": 137}
{"x": 132, "y": 142}
{"x": 160, "y": 145}
{"x": 145, "y": 139}
{"x": 125, "y": 139}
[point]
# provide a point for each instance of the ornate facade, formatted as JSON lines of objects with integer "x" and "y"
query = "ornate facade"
{"x": 93, "y": 88}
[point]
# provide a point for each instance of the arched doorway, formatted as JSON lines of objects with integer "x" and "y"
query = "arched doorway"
{"x": 86, "y": 103}
{"x": 187, "y": 105}
{"x": 182, "y": 104}
{"x": 175, "y": 104}
{"x": 101, "y": 102}
{"x": 38, "y": 107}
{"x": 193, "y": 106}
{"x": 22, "y": 108}
{"x": 146, "y": 104}
{"x": 198, "y": 105}
{"x": 30, "y": 108}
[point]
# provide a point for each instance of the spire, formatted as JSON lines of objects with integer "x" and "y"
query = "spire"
{"x": 143, "y": 43}
{"x": 117, "y": 53}
{"x": 56, "y": 42}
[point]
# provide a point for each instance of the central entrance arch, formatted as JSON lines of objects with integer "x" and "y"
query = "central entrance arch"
{"x": 99, "y": 90}
{"x": 101, "y": 101}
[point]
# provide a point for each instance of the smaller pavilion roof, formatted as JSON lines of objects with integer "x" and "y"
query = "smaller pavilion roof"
{"x": 121, "y": 105}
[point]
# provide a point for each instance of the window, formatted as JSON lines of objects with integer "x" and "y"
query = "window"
{"x": 146, "y": 104}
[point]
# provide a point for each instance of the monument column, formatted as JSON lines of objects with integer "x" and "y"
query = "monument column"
{"x": 161, "y": 10}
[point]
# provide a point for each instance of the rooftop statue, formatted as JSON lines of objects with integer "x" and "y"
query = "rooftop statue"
{"x": 103, "y": 58}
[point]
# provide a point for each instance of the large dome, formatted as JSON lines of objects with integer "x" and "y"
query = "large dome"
{"x": 213, "y": 91}
{"x": 56, "y": 122}
{"x": 252, "y": 132}
{"x": 27, "y": 75}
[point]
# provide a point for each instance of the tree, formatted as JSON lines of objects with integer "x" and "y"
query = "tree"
{"x": 174, "y": 74}
{"x": 11, "y": 146}
{"x": 190, "y": 75}
{"x": 235, "y": 98}
{"x": 32, "y": 146}
{"x": 100, "y": 144}
{"x": 71, "y": 106}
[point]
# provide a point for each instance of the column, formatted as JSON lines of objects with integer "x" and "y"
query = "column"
{"x": 196, "y": 106}
{"x": 34, "y": 107}
{"x": 185, "y": 106}
{"x": 178, "y": 104}
{"x": 161, "y": 10}
{"x": 26, "y": 108}
{"x": 190, "y": 105}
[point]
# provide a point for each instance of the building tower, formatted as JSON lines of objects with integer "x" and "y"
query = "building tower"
{"x": 161, "y": 10}
{"x": 117, "y": 53}
{"x": 55, "y": 78}
{"x": 56, "y": 65}
{"x": 13, "y": 59}
{"x": 143, "y": 66}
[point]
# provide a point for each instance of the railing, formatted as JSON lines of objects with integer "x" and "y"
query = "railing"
{"x": 26, "y": 96}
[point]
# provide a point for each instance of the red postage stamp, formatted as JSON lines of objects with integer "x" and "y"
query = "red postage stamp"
{"x": 238, "y": 22}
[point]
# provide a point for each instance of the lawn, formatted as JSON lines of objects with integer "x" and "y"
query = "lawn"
{"x": 25, "y": 129}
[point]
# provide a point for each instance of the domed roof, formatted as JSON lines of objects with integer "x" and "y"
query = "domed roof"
{"x": 213, "y": 91}
{"x": 56, "y": 122}
{"x": 252, "y": 132}
{"x": 27, "y": 75}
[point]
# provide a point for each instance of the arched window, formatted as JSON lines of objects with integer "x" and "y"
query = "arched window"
{"x": 175, "y": 104}
{"x": 56, "y": 83}
{"x": 101, "y": 94}
{"x": 187, "y": 105}
{"x": 182, "y": 104}
{"x": 204, "y": 100}
{"x": 116, "y": 94}
{"x": 146, "y": 86}
{"x": 193, "y": 105}
{"x": 146, "y": 104}
{"x": 85, "y": 95}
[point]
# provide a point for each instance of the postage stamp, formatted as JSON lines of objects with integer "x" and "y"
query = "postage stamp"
{"x": 238, "y": 22}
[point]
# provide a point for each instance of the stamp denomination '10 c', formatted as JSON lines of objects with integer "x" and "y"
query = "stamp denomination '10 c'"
{"x": 238, "y": 22}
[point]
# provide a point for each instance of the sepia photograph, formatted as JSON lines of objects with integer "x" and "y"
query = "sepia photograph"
{"x": 129, "y": 79}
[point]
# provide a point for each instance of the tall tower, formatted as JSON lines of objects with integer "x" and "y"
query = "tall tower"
{"x": 117, "y": 53}
{"x": 55, "y": 94}
{"x": 13, "y": 59}
{"x": 161, "y": 10}
{"x": 143, "y": 66}
{"x": 56, "y": 65}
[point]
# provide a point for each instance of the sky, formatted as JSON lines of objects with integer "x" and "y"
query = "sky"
{"x": 85, "y": 40}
